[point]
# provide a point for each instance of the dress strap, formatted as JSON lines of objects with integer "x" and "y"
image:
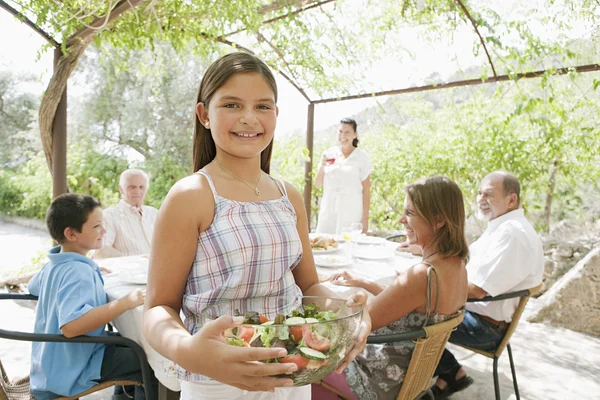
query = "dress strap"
{"x": 280, "y": 185}
{"x": 210, "y": 182}
{"x": 430, "y": 271}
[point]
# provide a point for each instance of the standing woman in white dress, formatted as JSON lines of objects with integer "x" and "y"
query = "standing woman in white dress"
{"x": 345, "y": 175}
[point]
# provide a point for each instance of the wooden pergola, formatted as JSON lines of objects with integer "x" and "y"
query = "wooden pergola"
{"x": 76, "y": 44}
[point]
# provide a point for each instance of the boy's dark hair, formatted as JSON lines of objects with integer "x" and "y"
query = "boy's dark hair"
{"x": 69, "y": 210}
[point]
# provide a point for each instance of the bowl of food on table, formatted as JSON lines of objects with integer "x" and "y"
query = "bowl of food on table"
{"x": 317, "y": 332}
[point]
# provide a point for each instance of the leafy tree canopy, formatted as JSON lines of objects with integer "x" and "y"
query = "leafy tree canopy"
{"x": 332, "y": 47}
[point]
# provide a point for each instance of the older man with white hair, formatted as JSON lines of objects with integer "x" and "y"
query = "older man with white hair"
{"x": 129, "y": 225}
{"x": 506, "y": 258}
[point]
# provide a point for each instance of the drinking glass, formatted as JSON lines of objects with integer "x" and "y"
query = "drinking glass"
{"x": 352, "y": 231}
{"x": 329, "y": 158}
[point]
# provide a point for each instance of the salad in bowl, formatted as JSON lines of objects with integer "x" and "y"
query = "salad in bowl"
{"x": 317, "y": 332}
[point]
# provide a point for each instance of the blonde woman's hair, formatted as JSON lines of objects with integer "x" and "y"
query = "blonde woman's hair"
{"x": 439, "y": 199}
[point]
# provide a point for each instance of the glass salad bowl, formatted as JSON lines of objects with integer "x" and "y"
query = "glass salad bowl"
{"x": 316, "y": 331}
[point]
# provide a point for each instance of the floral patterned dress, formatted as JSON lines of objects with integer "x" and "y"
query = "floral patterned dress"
{"x": 378, "y": 372}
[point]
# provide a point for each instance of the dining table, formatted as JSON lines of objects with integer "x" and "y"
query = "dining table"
{"x": 374, "y": 259}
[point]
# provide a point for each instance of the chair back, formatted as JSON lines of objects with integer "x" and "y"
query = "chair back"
{"x": 515, "y": 320}
{"x": 425, "y": 358}
{"x": 13, "y": 390}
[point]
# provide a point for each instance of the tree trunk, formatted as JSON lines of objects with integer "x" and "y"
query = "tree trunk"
{"x": 550, "y": 192}
{"x": 54, "y": 91}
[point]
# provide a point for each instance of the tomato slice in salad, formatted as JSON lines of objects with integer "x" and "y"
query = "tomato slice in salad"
{"x": 245, "y": 332}
{"x": 263, "y": 319}
{"x": 296, "y": 333}
{"x": 314, "y": 340}
{"x": 297, "y": 359}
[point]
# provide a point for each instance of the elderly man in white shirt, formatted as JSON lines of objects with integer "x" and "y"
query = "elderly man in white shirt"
{"x": 129, "y": 225}
{"x": 508, "y": 257}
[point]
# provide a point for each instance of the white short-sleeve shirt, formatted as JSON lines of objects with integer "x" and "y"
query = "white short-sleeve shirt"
{"x": 508, "y": 257}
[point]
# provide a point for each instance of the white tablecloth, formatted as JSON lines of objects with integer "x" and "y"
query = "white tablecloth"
{"x": 129, "y": 324}
{"x": 128, "y": 269}
{"x": 372, "y": 267}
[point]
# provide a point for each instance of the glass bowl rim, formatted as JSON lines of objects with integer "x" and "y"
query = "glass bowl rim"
{"x": 354, "y": 314}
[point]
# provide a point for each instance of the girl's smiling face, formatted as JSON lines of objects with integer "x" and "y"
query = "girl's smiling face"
{"x": 241, "y": 115}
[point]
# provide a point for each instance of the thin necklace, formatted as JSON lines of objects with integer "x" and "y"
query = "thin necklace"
{"x": 255, "y": 188}
{"x": 429, "y": 256}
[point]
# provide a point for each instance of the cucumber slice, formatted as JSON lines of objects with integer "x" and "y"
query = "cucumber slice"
{"x": 312, "y": 354}
{"x": 295, "y": 321}
{"x": 311, "y": 320}
{"x": 268, "y": 323}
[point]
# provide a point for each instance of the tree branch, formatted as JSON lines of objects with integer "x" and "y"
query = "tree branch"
{"x": 30, "y": 24}
{"x": 91, "y": 29}
{"x": 462, "y": 6}
{"x": 277, "y": 51}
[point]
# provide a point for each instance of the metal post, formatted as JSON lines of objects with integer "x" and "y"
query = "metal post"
{"x": 308, "y": 165}
{"x": 59, "y": 140}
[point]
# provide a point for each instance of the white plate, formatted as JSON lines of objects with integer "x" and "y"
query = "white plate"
{"x": 328, "y": 261}
{"x": 329, "y": 251}
{"x": 372, "y": 253}
{"x": 363, "y": 239}
{"x": 136, "y": 278}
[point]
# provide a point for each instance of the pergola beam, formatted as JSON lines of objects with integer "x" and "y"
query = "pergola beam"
{"x": 29, "y": 23}
{"x": 467, "y": 82}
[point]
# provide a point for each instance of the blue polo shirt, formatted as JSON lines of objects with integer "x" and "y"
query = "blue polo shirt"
{"x": 68, "y": 286}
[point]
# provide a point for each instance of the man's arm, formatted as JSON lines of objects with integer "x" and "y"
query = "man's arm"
{"x": 475, "y": 292}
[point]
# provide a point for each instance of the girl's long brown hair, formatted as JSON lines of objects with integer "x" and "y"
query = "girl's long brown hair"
{"x": 440, "y": 199}
{"x": 216, "y": 75}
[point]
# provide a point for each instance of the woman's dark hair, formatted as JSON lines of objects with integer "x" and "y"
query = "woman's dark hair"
{"x": 439, "y": 199}
{"x": 216, "y": 75}
{"x": 69, "y": 210}
{"x": 352, "y": 123}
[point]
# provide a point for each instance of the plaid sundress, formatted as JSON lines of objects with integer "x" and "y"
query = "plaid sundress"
{"x": 247, "y": 253}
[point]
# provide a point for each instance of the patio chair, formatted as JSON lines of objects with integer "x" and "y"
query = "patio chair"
{"x": 19, "y": 390}
{"x": 401, "y": 236}
{"x": 430, "y": 343}
{"x": 495, "y": 355}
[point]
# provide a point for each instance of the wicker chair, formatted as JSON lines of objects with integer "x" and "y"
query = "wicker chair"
{"x": 19, "y": 389}
{"x": 495, "y": 355}
{"x": 430, "y": 344}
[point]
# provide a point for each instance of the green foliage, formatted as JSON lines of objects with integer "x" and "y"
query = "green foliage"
{"x": 26, "y": 191}
{"x": 163, "y": 172}
{"x": 529, "y": 131}
{"x": 17, "y": 119}
{"x": 287, "y": 161}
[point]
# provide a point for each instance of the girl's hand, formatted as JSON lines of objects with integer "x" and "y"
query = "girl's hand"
{"x": 237, "y": 366}
{"x": 360, "y": 340}
{"x": 347, "y": 278}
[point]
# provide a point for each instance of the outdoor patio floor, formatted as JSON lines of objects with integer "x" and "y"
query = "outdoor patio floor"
{"x": 552, "y": 363}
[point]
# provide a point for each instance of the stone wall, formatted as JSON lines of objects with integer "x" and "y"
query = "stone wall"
{"x": 573, "y": 302}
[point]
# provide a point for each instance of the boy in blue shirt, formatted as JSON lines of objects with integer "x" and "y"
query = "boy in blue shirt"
{"x": 72, "y": 302}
